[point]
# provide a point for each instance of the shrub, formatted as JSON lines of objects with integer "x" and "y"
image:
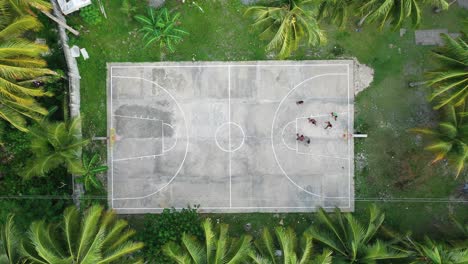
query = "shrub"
{"x": 162, "y": 27}
{"x": 165, "y": 227}
{"x": 337, "y": 50}
{"x": 91, "y": 15}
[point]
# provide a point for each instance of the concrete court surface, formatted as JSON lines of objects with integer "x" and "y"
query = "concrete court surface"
{"x": 222, "y": 135}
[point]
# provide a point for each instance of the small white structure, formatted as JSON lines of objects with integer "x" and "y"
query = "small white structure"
{"x": 84, "y": 53}
{"x": 69, "y": 6}
{"x": 75, "y": 51}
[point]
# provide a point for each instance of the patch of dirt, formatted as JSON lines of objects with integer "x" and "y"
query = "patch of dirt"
{"x": 360, "y": 161}
{"x": 363, "y": 76}
{"x": 406, "y": 177}
{"x": 156, "y": 3}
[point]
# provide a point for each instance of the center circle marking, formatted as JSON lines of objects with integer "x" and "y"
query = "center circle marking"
{"x": 233, "y": 134}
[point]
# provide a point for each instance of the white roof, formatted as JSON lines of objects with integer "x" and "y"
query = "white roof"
{"x": 69, "y": 6}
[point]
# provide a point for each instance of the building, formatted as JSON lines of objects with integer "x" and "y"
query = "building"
{"x": 70, "y": 6}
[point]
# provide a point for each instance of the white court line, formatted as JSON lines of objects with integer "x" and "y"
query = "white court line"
{"x": 282, "y": 135}
{"x": 226, "y": 65}
{"x": 138, "y": 117}
{"x": 240, "y": 207}
{"x": 140, "y": 157}
{"x": 229, "y": 139}
{"x": 112, "y": 149}
{"x": 320, "y": 115}
{"x": 350, "y": 129}
{"x": 176, "y": 138}
{"x": 229, "y": 120}
{"x": 258, "y": 137}
{"x": 322, "y": 156}
{"x": 162, "y": 137}
{"x": 297, "y": 143}
{"x": 187, "y": 143}
{"x": 273, "y": 129}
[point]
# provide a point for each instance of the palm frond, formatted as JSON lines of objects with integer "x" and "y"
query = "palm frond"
{"x": 19, "y": 26}
{"x": 176, "y": 253}
{"x": 194, "y": 249}
{"x": 89, "y": 229}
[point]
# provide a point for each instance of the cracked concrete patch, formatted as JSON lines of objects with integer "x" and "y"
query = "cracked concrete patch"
{"x": 363, "y": 76}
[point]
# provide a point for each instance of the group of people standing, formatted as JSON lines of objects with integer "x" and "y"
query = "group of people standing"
{"x": 306, "y": 139}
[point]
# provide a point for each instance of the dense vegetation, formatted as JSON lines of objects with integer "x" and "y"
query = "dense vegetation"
{"x": 392, "y": 166}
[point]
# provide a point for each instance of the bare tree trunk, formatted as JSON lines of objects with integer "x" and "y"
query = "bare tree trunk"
{"x": 61, "y": 23}
{"x": 74, "y": 92}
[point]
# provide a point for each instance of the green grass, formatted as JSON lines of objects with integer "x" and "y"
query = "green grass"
{"x": 390, "y": 163}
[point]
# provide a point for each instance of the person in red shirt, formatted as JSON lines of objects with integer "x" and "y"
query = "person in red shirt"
{"x": 300, "y": 137}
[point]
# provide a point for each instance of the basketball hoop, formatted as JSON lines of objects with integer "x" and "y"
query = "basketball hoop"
{"x": 113, "y": 137}
{"x": 347, "y": 135}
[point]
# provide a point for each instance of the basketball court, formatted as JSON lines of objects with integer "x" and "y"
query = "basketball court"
{"x": 222, "y": 135}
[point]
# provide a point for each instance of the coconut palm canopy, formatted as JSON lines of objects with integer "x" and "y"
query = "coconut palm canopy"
{"x": 24, "y": 6}
{"x": 9, "y": 242}
{"x": 431, "y": 252}
{"x": 352, "y": 241}
{"x": 97, "y": 237}
{"x": 450, "y": 82}
{"x": 218, "y": 247}
{"x": 20, "y": 65}
{"x": 286, "y": 248}
{"x": 396, "y": 11}
{"x": 53, "y": 145}
{"x": 286, "y": 25}
{"x": 335, "y": 10}
{"x": 393, "y": 11}
{"x": 449, "y": 140}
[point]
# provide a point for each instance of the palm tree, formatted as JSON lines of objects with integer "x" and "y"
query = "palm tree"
{"x": 352, "y": 241}
{"x": 287, "y": 25}
{"x": 20, "y": 65}
{"x": 217, "y": 247}
{"x": 55, "y": 144}
{"x": 284, "y": 249}
{"x": 451, "y": 81}
{"x": 22, "y": 6}
{"x": 161, "y": 27}
{"x": 335, "y": 10}
{"x": 97, "y": 237}
{"x": 450, "y": 139}
{"x": 91, "y": 169}
{"x": 9, "y": 242}
{"x": 435, "y": 253}
{"x": 394, "y": 11}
